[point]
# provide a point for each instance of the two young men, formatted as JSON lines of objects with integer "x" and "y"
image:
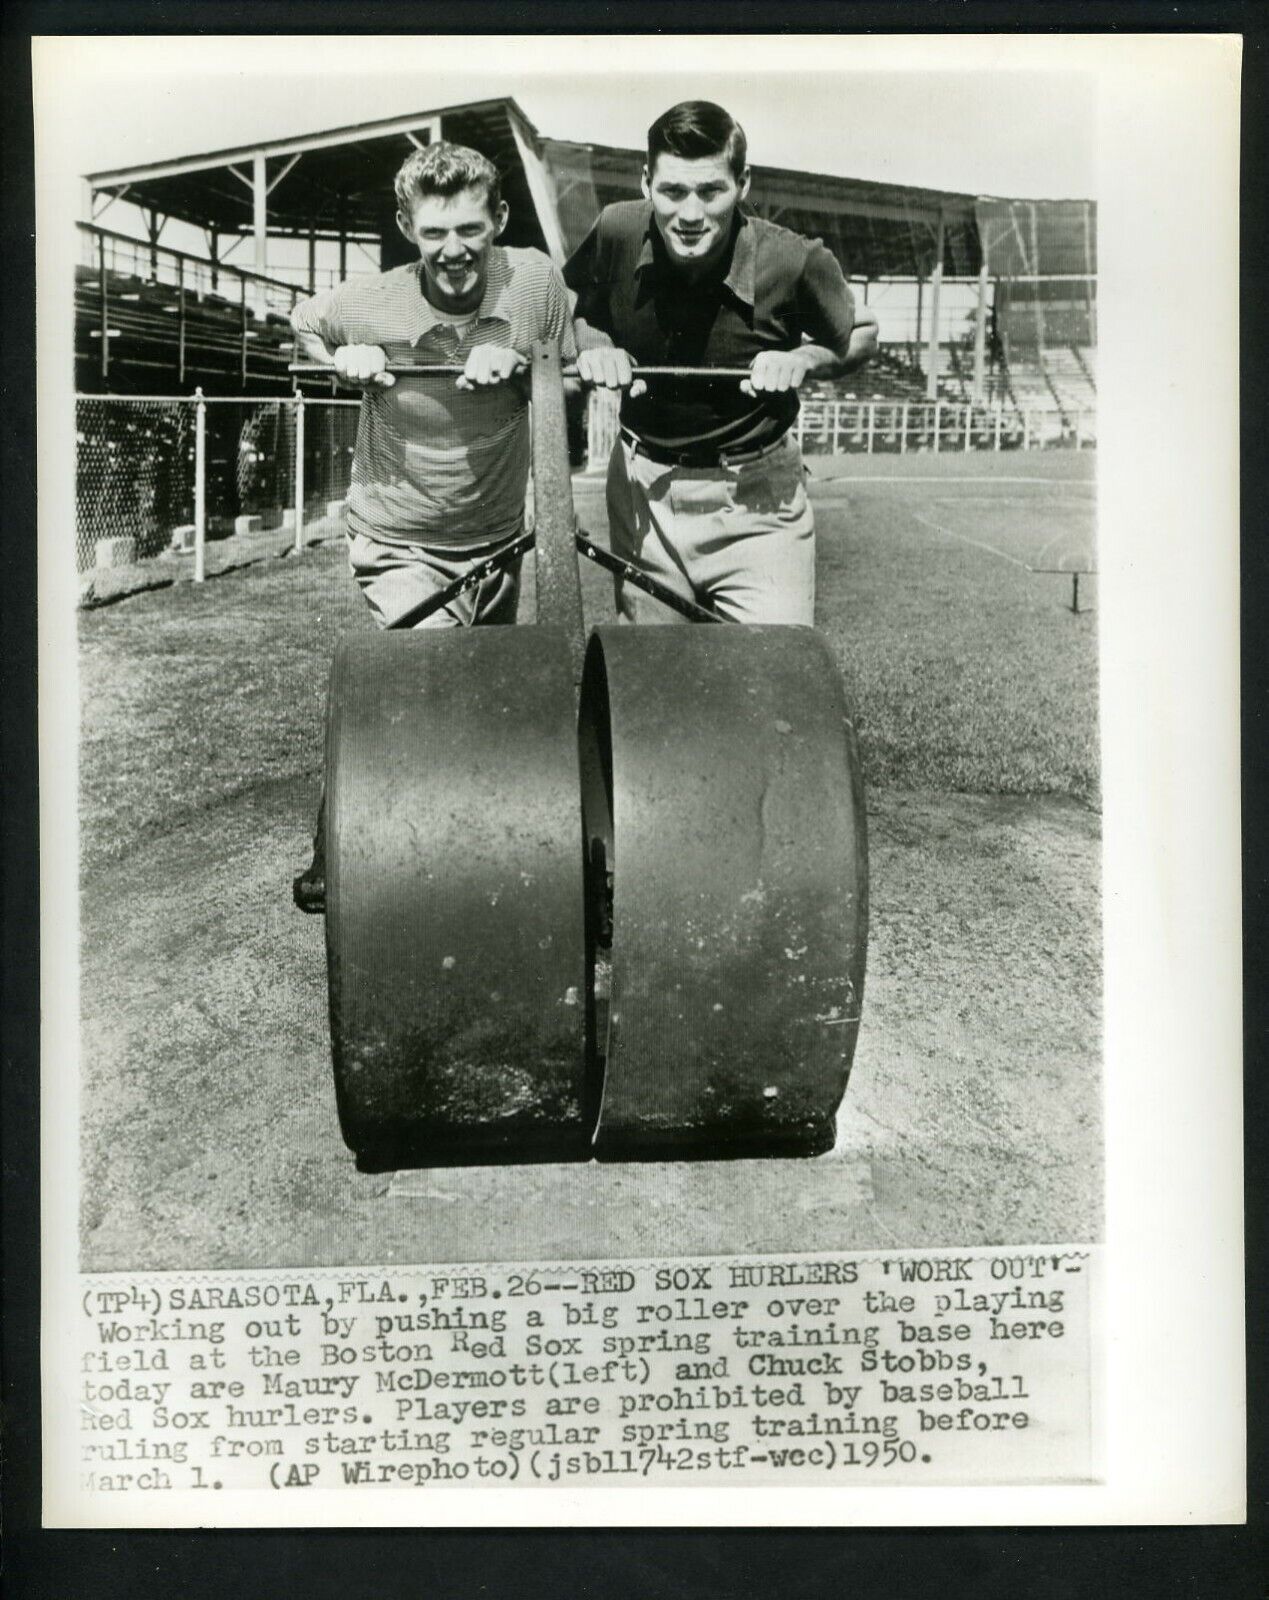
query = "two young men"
{"x": 705, "y": 487}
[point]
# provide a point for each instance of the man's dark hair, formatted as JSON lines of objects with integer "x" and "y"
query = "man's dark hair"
{"x": 445, "y": 169}
{"x": 695, "y": 130}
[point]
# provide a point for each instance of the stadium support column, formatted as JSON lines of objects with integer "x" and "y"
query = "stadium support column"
{"x": 312, "y": 260}
{"x": 980, "y": 336}
{"x": 260, "y": 224}
{"x": 153, "y": 228}
{"x": 914, "y": 350}
{"x": 932, "y": 350}
{"x": 541, "y": 193}
{"x": 1090, "y": 282}
{"x": 103, "y": 292}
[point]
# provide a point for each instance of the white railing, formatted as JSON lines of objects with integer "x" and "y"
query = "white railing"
{"x": 873, "y": 427}
{"x": 836, "y": 427}
{"x": 106, "y": 252}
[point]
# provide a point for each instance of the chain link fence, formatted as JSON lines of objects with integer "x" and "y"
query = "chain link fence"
{"x": 163, "y": 478}
{"x": 159, "y": 478}
{"x": 253, "y": 481}
{"x": 250, "y": 466}
{"x": 134, "y": 478}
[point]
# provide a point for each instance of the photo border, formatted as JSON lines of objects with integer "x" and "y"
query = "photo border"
{"x": 1220, "y": 1557}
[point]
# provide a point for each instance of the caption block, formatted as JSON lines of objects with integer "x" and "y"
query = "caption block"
{"x": 929, "y": 1368}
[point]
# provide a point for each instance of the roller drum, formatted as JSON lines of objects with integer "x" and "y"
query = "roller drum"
{"x": 723, "y": 789}
{"x": 455, "y": 937}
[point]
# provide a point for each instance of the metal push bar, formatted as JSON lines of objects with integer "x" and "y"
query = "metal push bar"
{"x": 692, "y": 609}
{"x": 317, "y": 369}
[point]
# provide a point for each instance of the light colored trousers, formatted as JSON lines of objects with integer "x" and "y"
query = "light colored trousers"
{"x": 740, "y": 537}
{"x": 395, "y": 578}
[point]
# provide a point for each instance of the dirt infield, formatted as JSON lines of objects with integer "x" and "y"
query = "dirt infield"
{"x": 209, "y": 1136}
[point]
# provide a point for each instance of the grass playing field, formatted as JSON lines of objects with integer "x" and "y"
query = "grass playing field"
{"x": 209, "y": 1135}
{"x": 969, "y": 672}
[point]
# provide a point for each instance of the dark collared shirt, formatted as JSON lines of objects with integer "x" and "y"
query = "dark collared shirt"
{"x": 771, "y": 288}
{"x": 433, "y": 463}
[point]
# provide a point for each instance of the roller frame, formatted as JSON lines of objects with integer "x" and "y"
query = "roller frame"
{"x": 700, "y": 916}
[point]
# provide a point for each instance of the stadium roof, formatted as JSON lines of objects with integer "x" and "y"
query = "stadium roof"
{"x": 338, "y": 184}
{"x": 331, "y": 182}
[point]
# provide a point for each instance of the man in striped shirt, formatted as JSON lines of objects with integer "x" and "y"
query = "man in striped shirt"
{"x": 441, "y": 465}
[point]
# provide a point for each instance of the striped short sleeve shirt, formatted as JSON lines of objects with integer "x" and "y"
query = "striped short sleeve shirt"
{"x": 434, "y": 464}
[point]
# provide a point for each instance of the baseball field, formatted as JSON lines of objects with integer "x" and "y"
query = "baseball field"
{"x": 208, "y": 1128}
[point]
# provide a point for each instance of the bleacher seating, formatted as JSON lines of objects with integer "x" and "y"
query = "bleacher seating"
{"x": 160, "y": 337}
{"x": 886, "y": 377}
{"x": 1071, "y": 375}
{"x": 165, "y": 338}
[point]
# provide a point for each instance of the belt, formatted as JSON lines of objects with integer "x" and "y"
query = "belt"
{"x": 699, "y": 458}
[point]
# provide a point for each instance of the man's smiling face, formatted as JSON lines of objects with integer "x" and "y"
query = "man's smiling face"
{"x": 454, "y": 235}
{"x": 693, "y": 204}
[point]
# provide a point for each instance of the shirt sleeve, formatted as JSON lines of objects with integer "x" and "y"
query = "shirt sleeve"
{"x": 584, "y": 274}
{"x": 320, "y": 316}
{"x": 825, "y": 302}
{"x": 558, "y": 321}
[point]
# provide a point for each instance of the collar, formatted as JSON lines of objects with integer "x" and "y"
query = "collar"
{"x": 740, "y": 274}
{"x": 490, "y": 307}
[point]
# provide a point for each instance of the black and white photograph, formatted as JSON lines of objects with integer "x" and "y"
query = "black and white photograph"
{"x": 911, "y": 787}
{"x": 584, "y": 656}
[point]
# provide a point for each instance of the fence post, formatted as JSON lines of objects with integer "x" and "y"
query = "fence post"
{"x": 1026, "y": 430}
{"x": 1000, "y": 417}
{"x": 299, "y": 470}
{"x": 938, "y": 419}
{"x": 243, "y": 332}
{"x": 200, "y": 487}
{"x": 903, "y": 430}
{"x": 837, "y": 426}
{"x": 180, "y": 319}
{"x": 1079, "y": 429}
{"x": 105, "y": 307}
{"x": 872, "y": 423}
{"x": 969, "y": 417}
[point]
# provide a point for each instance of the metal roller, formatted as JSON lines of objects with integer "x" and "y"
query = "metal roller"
{"x": 637, "y": 931}
{"x": 454, "y": 922}
{"x": 722, "y": 797}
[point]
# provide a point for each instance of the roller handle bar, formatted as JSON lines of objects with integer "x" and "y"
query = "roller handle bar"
{"x": 316, "y": 369}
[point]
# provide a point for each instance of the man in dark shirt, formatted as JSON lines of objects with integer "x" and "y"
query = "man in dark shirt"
{"x": 705, "y": 485}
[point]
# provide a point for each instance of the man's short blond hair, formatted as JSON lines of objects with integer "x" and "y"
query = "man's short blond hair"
{"x": 445, "y": 169}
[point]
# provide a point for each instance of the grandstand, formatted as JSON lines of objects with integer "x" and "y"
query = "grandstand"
{"x": 147, "y": 317}
{"x": 987, "y": 307}
{"x": 1021, "y": 273}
